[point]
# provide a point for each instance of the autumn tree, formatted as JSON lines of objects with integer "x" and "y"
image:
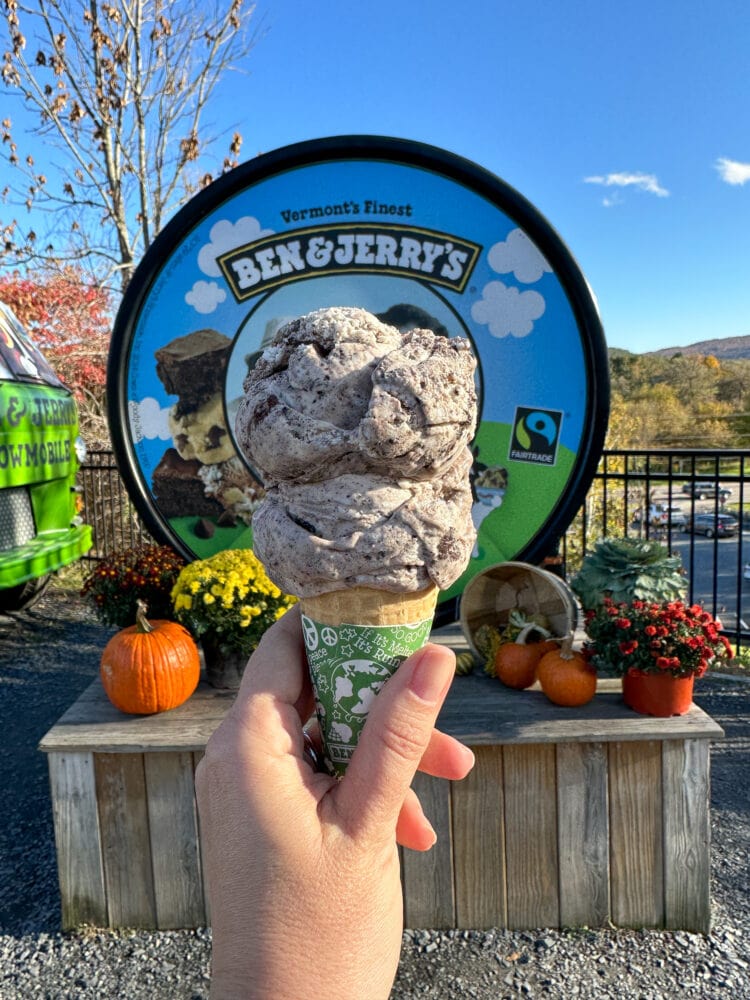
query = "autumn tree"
{"x": 119, "y": 94}
{"x": 70, "y": 323}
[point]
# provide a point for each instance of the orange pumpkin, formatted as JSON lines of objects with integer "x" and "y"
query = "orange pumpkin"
{"x": 516, "y": 662}
{"x": 150, "y": 666}
{"x": 566, "y": 677}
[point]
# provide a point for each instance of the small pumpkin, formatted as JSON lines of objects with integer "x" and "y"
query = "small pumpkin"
{"x": 516, "y": 662}
{"x": 149, "y": 667}
{"x": 566, "y": 677}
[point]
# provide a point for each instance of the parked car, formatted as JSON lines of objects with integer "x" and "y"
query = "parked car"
{"x": 710, "y": 524}
{"x": 666, "y": 515}
{"x": 705, "y": 489}
{"x": 40, "y": 526}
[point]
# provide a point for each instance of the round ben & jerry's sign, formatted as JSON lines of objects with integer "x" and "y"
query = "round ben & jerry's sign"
{"x": 415, "y": 235}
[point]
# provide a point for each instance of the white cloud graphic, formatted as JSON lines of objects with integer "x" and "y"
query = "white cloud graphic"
{"x": 732, "y": 171}
{"x": 226, "y": 235}
{"x": 205, "y": 296}
{"x": 148, "y": 420}
{"x": 506, "y": 311}
{"x": 519, "y": 256}
{"x": 641, "y": 182}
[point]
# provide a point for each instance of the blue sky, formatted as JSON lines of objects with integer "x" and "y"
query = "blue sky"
{"x": 612, "y": 119}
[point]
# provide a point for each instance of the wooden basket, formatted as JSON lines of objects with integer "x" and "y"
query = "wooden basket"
{"x": 492, "y": 594}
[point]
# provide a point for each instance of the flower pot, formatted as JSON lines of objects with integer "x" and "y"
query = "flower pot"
{"x": 223, "y": 666}
{"x": 658, "y": 694}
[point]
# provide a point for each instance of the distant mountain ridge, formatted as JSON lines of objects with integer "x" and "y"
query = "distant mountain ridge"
{"x": 722, "y": 348}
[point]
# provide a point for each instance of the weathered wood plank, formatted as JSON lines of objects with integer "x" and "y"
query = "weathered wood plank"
{"x": 428, "y": 877}
{"x": 197, "y": 757}
{"x": 173, "y": 832}
{"x": 79, "y": 855}
{"x": 531, "y": 836}
{"x": 477, "y": 808}
{"x": 583, "y": 834}
{"x": 123, "y": 818}
{"x": 478, "y": 711}
{"x": 93, "y": 723}
{"x": 687, "y": 835}
{"x": 636, "y": 834}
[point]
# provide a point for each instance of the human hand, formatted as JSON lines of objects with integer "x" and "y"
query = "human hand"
{"x": 302, "y": 869}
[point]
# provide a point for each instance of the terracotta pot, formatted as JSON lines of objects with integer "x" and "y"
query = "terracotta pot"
{"x": 658, "y": 694}
{"x": 223, "y": 667}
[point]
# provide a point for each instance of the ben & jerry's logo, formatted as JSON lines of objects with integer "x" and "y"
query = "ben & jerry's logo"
{"x": 535, "y": 435}
{"x": 337, "y": 249}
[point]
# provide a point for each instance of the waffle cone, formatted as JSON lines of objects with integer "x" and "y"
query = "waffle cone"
{"x": 355, "y": 640}
{"x": 367, "y": 606}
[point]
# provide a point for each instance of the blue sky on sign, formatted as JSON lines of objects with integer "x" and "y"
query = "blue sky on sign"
{"x": 626, "y": 125}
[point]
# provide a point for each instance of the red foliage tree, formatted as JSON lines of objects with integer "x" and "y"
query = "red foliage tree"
{"x": 70, "y": 322}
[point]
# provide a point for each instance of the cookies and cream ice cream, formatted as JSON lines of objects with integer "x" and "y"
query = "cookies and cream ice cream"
{"x": 360, "y": 433}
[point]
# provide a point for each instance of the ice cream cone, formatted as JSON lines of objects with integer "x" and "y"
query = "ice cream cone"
{"x": 355, "y": 640}
{"x": 367, "y": 606}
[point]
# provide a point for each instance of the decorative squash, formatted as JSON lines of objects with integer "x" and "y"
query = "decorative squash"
{"x": 464, "y": 663}
{"x": 516, "y": 662}
{"x": 150, "y": 667}
{"x": 566, "y": 677}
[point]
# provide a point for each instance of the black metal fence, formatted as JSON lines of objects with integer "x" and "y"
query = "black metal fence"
{"x": 662, "y": 495}
{"x": 107, "y": 507}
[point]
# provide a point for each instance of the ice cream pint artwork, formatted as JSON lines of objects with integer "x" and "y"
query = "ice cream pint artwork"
{"x": 361, "y": 434}
{"x": 373, "y": 362}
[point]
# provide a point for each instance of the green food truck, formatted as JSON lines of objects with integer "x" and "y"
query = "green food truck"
{"x": 40, "y": 526}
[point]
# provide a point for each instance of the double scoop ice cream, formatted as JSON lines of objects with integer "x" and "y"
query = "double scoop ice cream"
{"x": 361, "y": 434}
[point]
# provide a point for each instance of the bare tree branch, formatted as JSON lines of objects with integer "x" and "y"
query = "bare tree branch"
{"x": 120, "y": 91}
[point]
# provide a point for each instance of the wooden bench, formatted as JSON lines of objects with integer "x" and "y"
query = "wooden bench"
{"x": 571, "y": 817}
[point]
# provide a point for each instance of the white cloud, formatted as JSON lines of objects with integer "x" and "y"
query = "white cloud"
{"x": 226, "y": 235}
{"x": 519, "y": 256}
{"x": 148, "y": 420}
{"x": 205, "y": 296}
{"x": 507, "y": 311}
{"x": 642, "y": 182}
{"x": 732, "y": 171}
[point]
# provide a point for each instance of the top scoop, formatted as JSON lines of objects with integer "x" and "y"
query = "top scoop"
{"x": 361, "y": 434}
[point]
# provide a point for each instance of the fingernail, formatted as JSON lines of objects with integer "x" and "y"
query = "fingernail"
{"x": 432, "y": 674}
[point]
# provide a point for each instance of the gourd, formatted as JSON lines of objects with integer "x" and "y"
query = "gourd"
{"x": 464, "y": 663}
{"x": 149, "y": 667}
{"x": 566, "y": 677}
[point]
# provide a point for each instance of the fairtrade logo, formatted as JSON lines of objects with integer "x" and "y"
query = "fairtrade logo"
{"x": 535, "y": 435}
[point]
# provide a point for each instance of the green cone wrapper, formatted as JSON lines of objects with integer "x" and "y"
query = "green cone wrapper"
{"x": 355, "y": 640}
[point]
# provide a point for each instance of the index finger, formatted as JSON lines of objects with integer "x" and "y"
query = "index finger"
{"x": 278, "y": 668}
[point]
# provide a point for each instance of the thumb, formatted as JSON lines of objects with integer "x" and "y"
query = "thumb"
{"x": 394, "y": 738}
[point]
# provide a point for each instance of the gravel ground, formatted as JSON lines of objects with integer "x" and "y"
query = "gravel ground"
{"x": 49, "y": 655}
